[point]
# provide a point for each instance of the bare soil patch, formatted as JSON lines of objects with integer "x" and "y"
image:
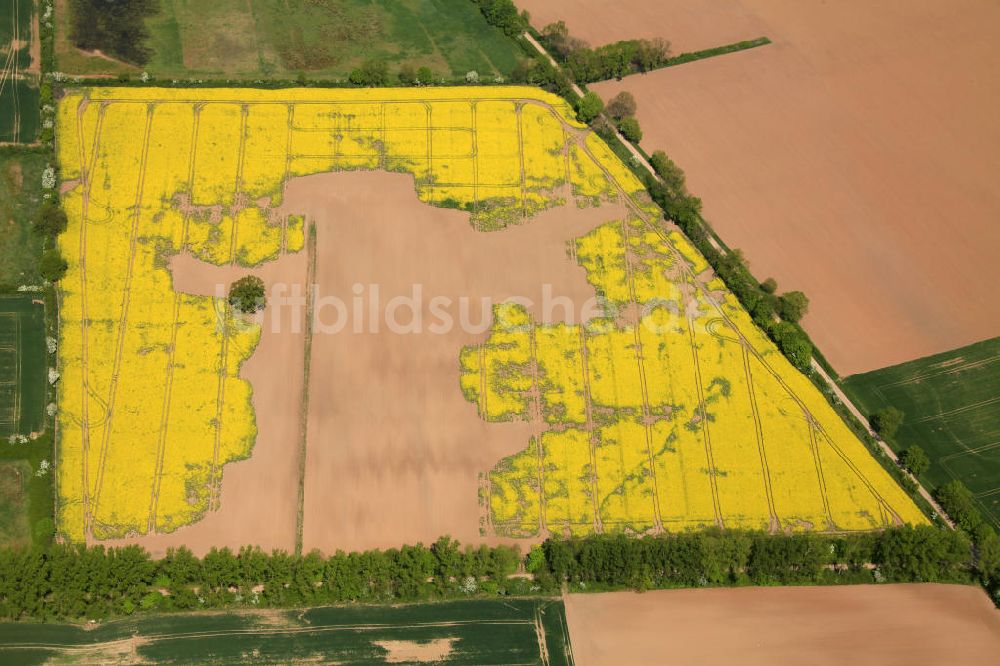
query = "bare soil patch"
{"x": 851, "y": 161}
{"x": 394, "y": 450}
{"x": 406, "y": 652}
{"x": 855, "y": 624}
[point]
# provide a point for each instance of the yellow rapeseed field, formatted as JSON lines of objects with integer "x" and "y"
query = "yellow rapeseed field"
{"x": 673, "y": 412}
{"x": 682, "y": 415}
{"x": 152, "y": 407}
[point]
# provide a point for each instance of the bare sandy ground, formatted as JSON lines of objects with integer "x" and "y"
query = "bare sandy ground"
{"x": 689, "y": 25}
{"x": 394, "y": 449}
{"x": 855, "y": 159}
{"x": 857, "y": 624}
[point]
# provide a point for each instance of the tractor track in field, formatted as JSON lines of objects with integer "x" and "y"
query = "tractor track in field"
{"x": 123, "y": 317}
{"x": 154, "y": 499}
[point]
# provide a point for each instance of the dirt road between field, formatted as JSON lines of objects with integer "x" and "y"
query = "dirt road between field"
{"x": 851, "y": 162}
{"x": 851, "y": 624}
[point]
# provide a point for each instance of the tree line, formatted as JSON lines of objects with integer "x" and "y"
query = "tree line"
{"x": 611, "y": 61}
{"x": 723, "y": 558}
{"x": 61, "y": 582}
{"x": 74, "y": 582}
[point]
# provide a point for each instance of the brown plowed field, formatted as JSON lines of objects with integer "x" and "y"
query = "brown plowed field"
{"x": 687, "y": 25}
{"x": 855, "y": 159}
{"x": 394, "y": 450}
{"x": 855, "y": 624}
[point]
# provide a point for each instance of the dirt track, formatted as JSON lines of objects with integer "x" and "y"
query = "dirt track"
{"x": 852, "y": 159}
{"x": 856, "y": 624}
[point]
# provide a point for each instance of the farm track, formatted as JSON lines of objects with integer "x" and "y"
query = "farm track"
{"x": 225, "y": 317}
{"x": 759, "y": 435}
{"x": 646, "y": 412}
{"x": 306, "y": 375}
{"x": 154, "y": 499}
{"x": 86, "y": 178}
{"x": 126, "y": 302}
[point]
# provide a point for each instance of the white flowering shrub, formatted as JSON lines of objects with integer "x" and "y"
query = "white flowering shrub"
{"x": 53, "y": 376}
{"x": 50, "y": 345}
{"x": 472, "y": 77}
{"x": 48, "y": 178}
{"x": 469, "y": 585}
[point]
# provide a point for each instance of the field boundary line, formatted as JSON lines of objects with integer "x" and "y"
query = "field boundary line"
{"x": 306, "y": 374}
{"x": 86, "y": 177}
{"x": 759, "y": 433}
{"x": 591, "y": 431}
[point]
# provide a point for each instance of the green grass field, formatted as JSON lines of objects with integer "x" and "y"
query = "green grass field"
{"x": 325, "y": 39}
{"x": 952, "y": 407}
{"x": 18, "y": 86}
{"x": 14, "y": 526}
{"x": 22, "y": 366}
{"x": 515, "y": 631}
{"x": 20, "y": 198}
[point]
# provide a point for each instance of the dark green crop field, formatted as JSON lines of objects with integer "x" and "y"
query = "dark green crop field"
{"x": 323, "y": 39}
{"x": 515, "y": 631}
{"x": 952, "y": 407}
{"x": 22, "y": 366}
{"x": 18, "y": 84}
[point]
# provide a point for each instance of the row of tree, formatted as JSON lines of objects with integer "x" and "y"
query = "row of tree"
{"x": 503, "y": 14}
{"x": 72, "y": 582}
{"x": 611, "y": 61}
{"x": 956, "y": 500}
{"x": 715, "y": 557}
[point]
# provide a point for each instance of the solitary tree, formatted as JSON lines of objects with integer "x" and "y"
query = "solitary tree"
{"x": 622, "y": 105}
{"x": 425, "y": 76}
{"x": 630, "y": 129}
{"x": 915, "y": 460}
{"x": 246, "y": 295}
{"x": 886, "y": 422}
{"x": 589, "y": 107}
{"x": 793, "y": 305}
